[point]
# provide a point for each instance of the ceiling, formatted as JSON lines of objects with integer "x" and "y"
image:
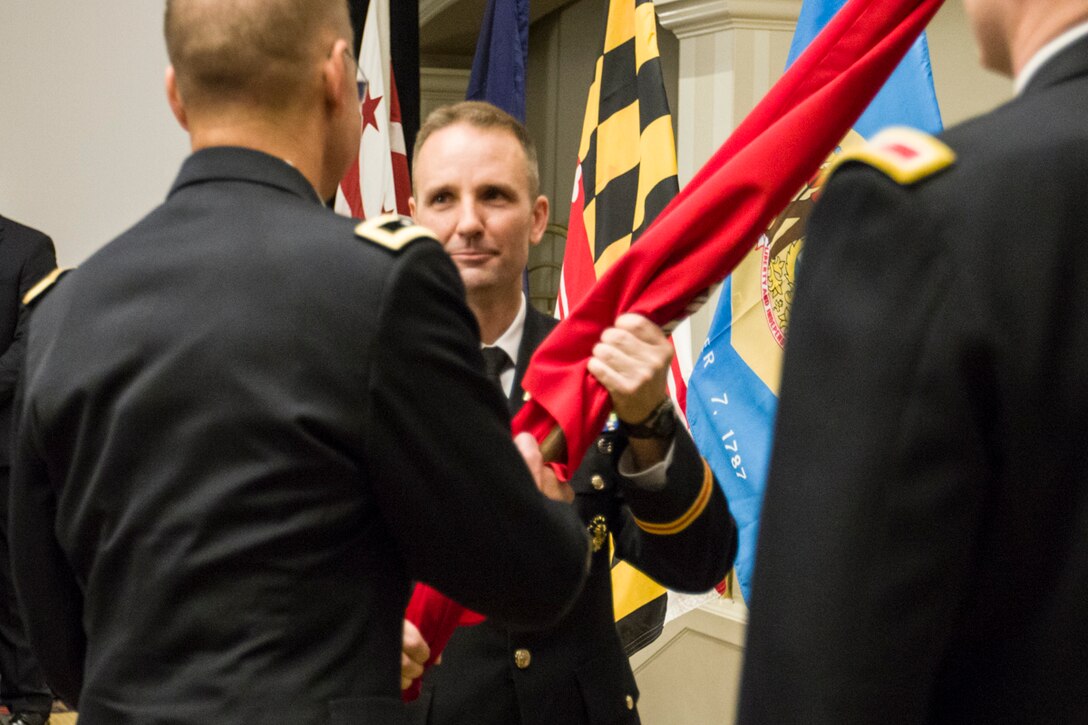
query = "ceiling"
{"x": 448, "y": 28}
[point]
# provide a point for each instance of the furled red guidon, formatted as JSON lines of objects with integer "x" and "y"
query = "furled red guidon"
{"x": 706, "y": 230}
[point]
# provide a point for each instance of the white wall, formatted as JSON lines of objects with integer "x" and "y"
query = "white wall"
{"x": 87, "y": 141}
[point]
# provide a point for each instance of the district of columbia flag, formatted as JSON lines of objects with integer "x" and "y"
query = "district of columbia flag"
{"x": 733, "y": 389}
{"x": 377, "y": 181}
{"x": 626, "y": 174}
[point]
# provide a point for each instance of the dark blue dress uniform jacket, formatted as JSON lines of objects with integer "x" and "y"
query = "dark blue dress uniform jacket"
{"x": 26, "y": 256}
{"x": 923, "y": 553}
{"x": 228, "y": 472}
{"x": 576, "y": 671}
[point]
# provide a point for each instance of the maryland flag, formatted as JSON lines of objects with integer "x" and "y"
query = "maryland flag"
{"x": 627, "y": 159}
{"x": 626, "y": 175}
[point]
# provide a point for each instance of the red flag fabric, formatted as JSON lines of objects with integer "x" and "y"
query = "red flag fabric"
{"x": 398, "y": 152}
{"x": 708, "y": 228}
{"x": 716, "y": 219}
{"x": 436, "y": 617}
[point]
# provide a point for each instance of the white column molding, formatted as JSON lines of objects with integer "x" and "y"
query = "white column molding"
{"x": 731, "y": 52}
{"x": 686, "y": 18}
{"x": 429, "y": 9}
{"x": 440, "y": 86}
{"x": 690, "y": 674}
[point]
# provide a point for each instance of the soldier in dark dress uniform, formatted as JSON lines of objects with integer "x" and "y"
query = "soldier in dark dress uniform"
{"x": 26, "y": 257}
{"x": 476, "y": 185}
{"x": 229, "y": 468}
{"x": 923, "y": 553}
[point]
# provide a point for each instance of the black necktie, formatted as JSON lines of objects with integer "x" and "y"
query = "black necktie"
{"x": 495, "y": 362}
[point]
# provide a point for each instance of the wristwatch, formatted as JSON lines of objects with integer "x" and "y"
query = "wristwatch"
{"x": 661, "y": 423}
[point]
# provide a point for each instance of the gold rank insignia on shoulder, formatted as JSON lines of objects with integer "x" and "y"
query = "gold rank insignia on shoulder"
{"x": 392, "y": 231}
{"x": 37, "y": 292}
{"x": 905, "y": 155}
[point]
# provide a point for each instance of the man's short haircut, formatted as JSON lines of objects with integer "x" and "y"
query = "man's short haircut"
{"x": 253, "y": 52}
{"x": 486, "y": 116}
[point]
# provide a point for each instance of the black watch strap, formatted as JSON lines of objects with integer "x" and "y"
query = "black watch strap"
{"x": 661, "y": 423}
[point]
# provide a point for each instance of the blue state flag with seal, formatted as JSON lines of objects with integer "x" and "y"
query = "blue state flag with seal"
{"x": 733, "y": 389}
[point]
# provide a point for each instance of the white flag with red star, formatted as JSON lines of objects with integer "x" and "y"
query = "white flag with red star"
{"x": 377, "y": 182}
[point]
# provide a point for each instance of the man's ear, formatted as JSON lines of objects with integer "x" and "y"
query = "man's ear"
{"x": 412, "y": 206}
{"x": 173, "y": 96}
{"x": 334, "y": 73}
{"x": 540, "y": 219}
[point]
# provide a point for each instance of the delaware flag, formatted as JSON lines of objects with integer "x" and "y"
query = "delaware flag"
{"x": 626, "y": 175}
{"x": 377, "y": 182}
{"x": 733, "y": 389}
{"x": 502, "y": 53}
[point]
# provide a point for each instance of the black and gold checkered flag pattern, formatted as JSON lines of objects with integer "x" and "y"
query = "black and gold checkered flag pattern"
{"x": 628, "y": 151}
{"x": 628, "y": 175}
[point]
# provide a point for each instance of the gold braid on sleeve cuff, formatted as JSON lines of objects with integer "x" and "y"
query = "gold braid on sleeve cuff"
{"x": 688, "y": 517}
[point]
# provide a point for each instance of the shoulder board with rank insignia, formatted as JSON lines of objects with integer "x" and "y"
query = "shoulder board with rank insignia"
{"x": 42, "y": 286}
{"x": 906, "y": 155}
{"x": 392, "y": 231}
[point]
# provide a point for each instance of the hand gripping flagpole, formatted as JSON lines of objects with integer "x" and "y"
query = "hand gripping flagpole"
{"x": 701, "y": 236}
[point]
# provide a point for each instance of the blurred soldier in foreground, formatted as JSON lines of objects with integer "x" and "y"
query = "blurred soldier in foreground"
{"x": 26, "y": 256}
{"x": 247, "y": 425}
{"x": 476, "y": 184}
{"x": 923, "y": 554}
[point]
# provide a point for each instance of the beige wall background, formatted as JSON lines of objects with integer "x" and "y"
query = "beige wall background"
{"x": 87, "y": 142}
{"x": 963, "y": 88}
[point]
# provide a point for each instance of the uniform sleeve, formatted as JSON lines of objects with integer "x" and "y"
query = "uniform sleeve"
{"x": 40, "y": 262}
{"x": 453, "y": 487}
{"x": 875, "y": 490}
{"x": 49, "y": 596}
{"x": 680, "y": 534}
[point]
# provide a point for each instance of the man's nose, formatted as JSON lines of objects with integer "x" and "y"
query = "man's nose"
{"x": 469, "y": 222}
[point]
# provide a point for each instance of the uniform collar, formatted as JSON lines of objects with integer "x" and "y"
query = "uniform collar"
{"x": 1047, "y": 53}
{"x": 234, "y": 163}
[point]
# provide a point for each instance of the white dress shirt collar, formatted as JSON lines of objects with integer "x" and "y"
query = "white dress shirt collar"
{"x": 510, "y": 341}
{"x": 1046, "y": 53}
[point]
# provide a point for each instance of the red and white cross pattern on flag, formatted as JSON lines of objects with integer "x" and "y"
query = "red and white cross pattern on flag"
{"x": 377, "y": 182}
